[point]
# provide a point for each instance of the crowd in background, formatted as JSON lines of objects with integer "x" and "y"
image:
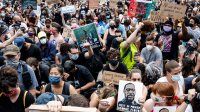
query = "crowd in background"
{"x": 41, "y": 65}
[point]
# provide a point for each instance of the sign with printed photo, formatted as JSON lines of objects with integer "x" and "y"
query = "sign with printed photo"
{"x": 26, "y": 3}
{"x": 165, "y": 109}
{"x": 174, "y": 11}
{"x": 129, "y": 94}
{"x": 87, "y": 33}
{"x": 140, "y": 7}
{"x": 112, "y": 77}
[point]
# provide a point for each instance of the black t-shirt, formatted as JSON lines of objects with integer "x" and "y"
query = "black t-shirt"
{"x": 81, "y": 59}
{"x": 82, "y": 76}
{"x": 7, "y": 106}
{"x": 33, "y": 51}
{"x": 120, "y": 69}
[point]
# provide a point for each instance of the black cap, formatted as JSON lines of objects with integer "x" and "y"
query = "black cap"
{"x": 69, "y": 65}
{"x": 169, "y": 22}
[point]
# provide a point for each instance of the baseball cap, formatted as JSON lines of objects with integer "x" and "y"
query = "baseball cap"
{"x": 42, "y": 34}
{"x": 11, "y": 50}
{"x": 3, "y": 29}
{"x": 19, "y": 41}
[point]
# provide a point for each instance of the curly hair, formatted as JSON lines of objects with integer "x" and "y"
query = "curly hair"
{"x": 113, "y": 53}
{"x": 8, "y": 78}
{"x": 148, "y": 26}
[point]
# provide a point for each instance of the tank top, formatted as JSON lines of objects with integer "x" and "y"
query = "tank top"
{"x": 109, "y": 39}
{"x": 65, "y": 90}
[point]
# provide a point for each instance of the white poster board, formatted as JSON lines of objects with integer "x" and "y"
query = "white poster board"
{"x": 128, "y": 96}
{"x": 68, "y": 9}
{"x": 164, "y": 109}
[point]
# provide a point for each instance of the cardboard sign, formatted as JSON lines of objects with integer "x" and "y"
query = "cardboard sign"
{"x": 128, "y": 96}
{"x": 155, "y": 16}
{"x": 26, "y": 3}
{"x": 93, "y": 4}
{"x": 164, "y": 109}
{"x": 174, "y": 11}
{"x": 113, "y": 3}
{"x": 113, "y": 77}
{"x": 68, "y": 9}
{"x": 87, "y": 33}
{"x": 44, "y": 108}
{"x": 52, "y": 1}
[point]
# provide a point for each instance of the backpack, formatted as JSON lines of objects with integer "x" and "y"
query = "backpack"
{"x": 153, "y": 73}
{"x": 26, "y": 77}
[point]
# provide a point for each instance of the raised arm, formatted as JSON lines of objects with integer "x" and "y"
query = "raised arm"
{"x": 133, "y": 37}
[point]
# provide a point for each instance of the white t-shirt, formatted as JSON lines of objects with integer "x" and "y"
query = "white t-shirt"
{"x": 180, "y": 85}
{"x": 189, "y": 108}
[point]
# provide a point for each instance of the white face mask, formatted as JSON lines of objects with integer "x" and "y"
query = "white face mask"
{"x": 176, "y": 77}
{"x": 156, "y": 98}
{"x": 43, "y": 41}
{"x": 149, "y": 47}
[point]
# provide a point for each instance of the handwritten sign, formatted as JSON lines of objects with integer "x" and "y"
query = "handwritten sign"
{"x": 113, "y": 77}
{"x": 113, "y": 3}
{"x": 93, "y": 4}
{"x": 68, "y": 9}
{"x": 44, "y": 108}
{"x": 156, "y": 17}
{"x": 174, "y": 11}
{"x": 52, "y": 1}
{"x": 164, "y": 109}
{"x": 103, "y": 2}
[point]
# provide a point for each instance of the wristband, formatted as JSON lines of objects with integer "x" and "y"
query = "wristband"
{"x": 186, "y": 100}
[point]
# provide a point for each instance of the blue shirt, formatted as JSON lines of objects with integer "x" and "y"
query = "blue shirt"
{"x": 32, "y": 75}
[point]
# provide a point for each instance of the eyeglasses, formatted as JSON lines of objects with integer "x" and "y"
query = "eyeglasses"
{"x": 135, "y": 79}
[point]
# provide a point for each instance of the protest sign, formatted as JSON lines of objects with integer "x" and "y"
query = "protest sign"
{"x": 113, "y": 77}
{"x": 68, "y": 9}
{"x": 156, "y": 17}
{"x": 113, "y": 3}
{"x": 87, "y": 33}
{"x": 44, "y": 108}
{"x": 128, "y": 96}
{"x": 103, "y": 2}
{"x": 164, "y": 108}
{"x": 26, "y": 3}
{"x": 173, "y": 11}
{"x": 52, "y": 1}
{"x": 140, "y": 7}
{"x": 93, "y": 4}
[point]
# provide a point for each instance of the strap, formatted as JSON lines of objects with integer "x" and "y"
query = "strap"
{"x": 1, "y": 94}
{"x": 24, "y": 98}
{"x": 126, "y": 53}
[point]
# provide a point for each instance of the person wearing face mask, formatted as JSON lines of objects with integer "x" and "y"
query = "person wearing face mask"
{"x": 48, "y": 49}
{"x": 57, "y": 85}
{"x": 12, "y": 97}
{"x": 114, "y": 64}
{"x": 80, "y": 77}
{"x": 109, "y": 35}
{"x": 47, "y": 26}
{"x": 32, "y": 35}
{"x": 151, "y": 53}
{"x": 27, "y": 49}
{"x": 17, "y": 21}
{"x": 29, "y": 82}
{"x": 163, "y": 94}
{"x": 173, "y": 76}
{"x": 168, "y": 41}
{"x": 80, "y": 57}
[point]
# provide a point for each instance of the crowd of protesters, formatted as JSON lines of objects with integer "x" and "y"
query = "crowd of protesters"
{"x": 39, "y": 65}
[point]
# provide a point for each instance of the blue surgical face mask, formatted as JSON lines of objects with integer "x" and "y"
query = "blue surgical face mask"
{"x": 74, "y": 56}
{"x": 176, "y": 77}
{"x": 54, "y": 79}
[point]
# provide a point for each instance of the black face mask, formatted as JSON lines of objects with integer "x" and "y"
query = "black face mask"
{"x": 191, "y": 25}
{"x": 114, "y": 62}
{"x": 112, "y": 26}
